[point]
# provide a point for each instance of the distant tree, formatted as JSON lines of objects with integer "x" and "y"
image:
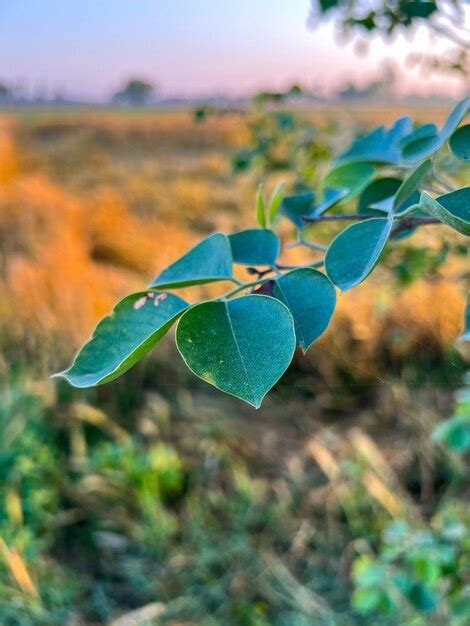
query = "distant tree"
{"x": 380, "y": 88}
{"x": 4, "y": 93}
{"x": 274, "y": 97}
{"x": 135, "y": 93}
{"x": 386, "y": 18}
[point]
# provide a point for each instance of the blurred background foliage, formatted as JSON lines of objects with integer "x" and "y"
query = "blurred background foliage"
{"x": 156, "y": 500}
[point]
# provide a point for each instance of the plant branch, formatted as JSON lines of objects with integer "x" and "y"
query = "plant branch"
{"x": 334, "y": 218}
{"x": 400, "y": 225}
{"x": 410, "y": 222}
{"x": 318, "y": 263}
{"x": 316, "y": 247}
{"x": 232, "y": 292}
{"x": 259, "y": 281}
{"x": 254, "y": 271}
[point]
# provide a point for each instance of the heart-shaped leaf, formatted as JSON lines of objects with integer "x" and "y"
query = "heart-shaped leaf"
{"x": 380, "y": 145}
{"x": 452, "y": 208}
{"x": 459, "y": 143}
{"x": 210, "y": 260}
{"x": 351, "y": 176}
{"x": 242, "y": 346}
{"x": 311, "y": 299}
{"x": 295, "y": 207}
{"x": 136, "y": 324}
{"x": 377, "y": 191}
{"x": 256, "y": 246}
{"x": 353, "y": 253}
{"x": 411, "y": 184}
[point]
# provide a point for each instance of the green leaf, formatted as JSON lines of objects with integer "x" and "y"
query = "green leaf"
{"x": 459, "y": 143}
{"x": 454, "y": 433}
{"x": 422, "y": 598}
{"x": 300, "y": 205}
{"x": 411, "y": 184}
{"x": 367, "y": 571}
{"x": 311, "y": 299}
{"x": 260, "y": 209}
{"x": 457, "y": 114}
{"x": 425, "y": 146}
{"x": 210, "y": 260}
{"x": 422, "y": 132}
{"x": 380, "y": 145}
{"x": 425, "y": 568}
{"x": 136, "y": 324}
{"x": 452, "y": 208}
{"x": 351, "y": 176}
{"x": 294, "y": 207}
{"x": 242, "y": 346}
{"x": 275, "y": 202}
{"x": 421, "y": 148}
{"x": 255, "y": 247}
{"x": 367, "y": 599}
{"x": 330, "y": 198}
{"x": 354, "y": 252}
{"x": 411, "y": 205}
{"x": 377, "y": 191}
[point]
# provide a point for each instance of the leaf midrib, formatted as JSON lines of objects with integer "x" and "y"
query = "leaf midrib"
{"x": 239, "y": 352}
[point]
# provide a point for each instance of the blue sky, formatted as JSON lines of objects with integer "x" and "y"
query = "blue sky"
{"x": 88, "y": 47}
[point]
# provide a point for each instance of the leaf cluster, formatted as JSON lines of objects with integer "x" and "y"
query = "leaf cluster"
{"x": 243, "y": 341}
{"x": 416, "y": 571}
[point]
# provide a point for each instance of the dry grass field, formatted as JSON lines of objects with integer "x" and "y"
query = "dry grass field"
{"x": 94, "y": 204}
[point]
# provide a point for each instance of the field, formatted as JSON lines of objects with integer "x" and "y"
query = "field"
{"x": 158, "y": 494}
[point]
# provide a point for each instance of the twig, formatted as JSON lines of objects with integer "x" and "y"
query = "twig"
{"x": 316, "y": 247}
{"x": 260, "y": 281}
{"x": 400, "y": 225}
{"x": 410, "y": 222}
{"x": 254, "y": 271}
{"x": 340, "y": 216}
{"x": 232, "y": 292}
{"x": 318, "y": 263}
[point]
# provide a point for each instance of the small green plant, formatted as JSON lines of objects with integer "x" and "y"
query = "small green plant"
{"x": 454, "y": 432}
{"x": 243, "y": 341}
{"x": 417, "y": 571}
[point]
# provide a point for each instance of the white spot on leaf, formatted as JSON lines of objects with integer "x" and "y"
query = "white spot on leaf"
{"x": 138, "y": 304}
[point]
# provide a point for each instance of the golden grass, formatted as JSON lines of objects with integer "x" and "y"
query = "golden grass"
{"x": 92, "y": 206}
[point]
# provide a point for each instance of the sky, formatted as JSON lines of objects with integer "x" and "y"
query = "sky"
{"x": 87, "y": 48}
